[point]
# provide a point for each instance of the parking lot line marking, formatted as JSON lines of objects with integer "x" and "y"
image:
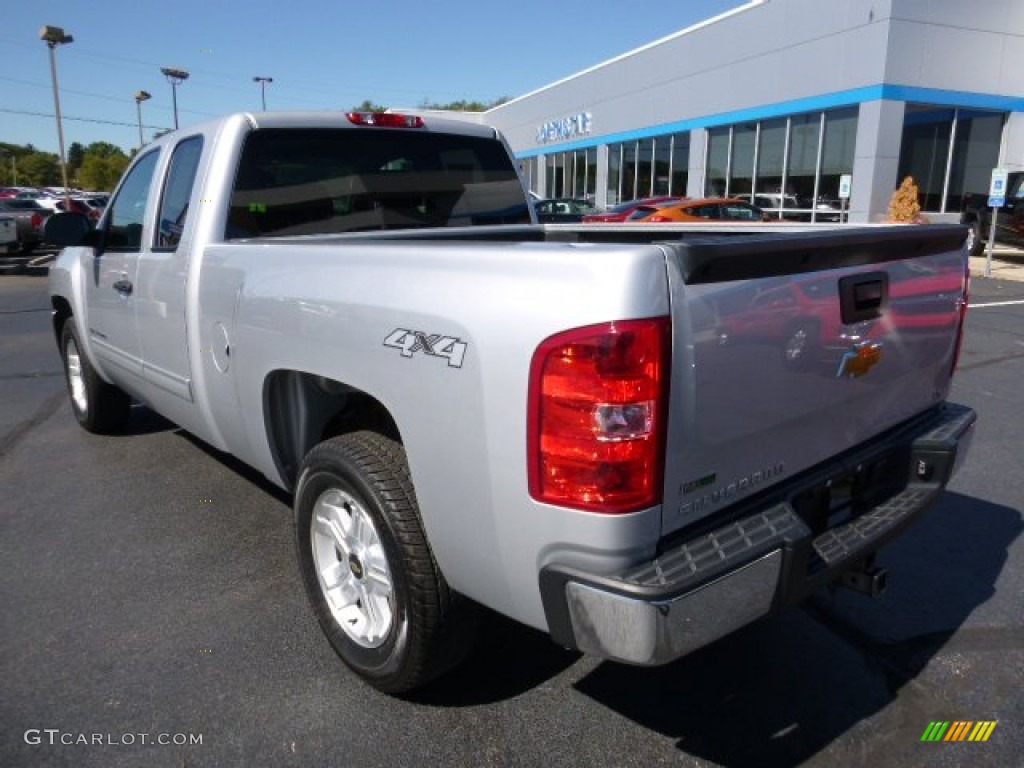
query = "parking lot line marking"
{"x": 996, "y": 304}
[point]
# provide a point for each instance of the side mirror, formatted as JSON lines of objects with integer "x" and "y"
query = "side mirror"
{"x": 67, "y": 229}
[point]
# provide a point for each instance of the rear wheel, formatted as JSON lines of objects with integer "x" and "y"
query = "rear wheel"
{"x": 368, "y": 569}
{"x": 98, "y": 406}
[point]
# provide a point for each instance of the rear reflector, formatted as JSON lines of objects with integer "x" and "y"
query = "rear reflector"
{"x": 597, "y": 413}
{"x": 385, "y": 119}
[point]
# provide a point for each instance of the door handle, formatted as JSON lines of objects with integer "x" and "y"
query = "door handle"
{"x": 863, "y": 297}
{"x": 123, "y": 286}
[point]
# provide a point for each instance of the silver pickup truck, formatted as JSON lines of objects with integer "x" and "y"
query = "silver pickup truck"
{"x": 635, "y": 438}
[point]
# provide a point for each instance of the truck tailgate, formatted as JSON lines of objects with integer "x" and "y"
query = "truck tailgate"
{"x": 790, "y": 351}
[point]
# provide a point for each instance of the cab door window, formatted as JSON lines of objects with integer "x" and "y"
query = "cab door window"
{"x": 127, "y": 210}
{"x": 177, "y": 192}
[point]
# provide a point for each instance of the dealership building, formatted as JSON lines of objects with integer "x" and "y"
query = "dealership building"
{"x": 807, "y": 103}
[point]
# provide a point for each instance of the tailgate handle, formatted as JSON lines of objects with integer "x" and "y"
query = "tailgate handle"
{"x": 863, "y": 297}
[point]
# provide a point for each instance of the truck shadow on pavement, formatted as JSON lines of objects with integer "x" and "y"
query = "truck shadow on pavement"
{"x": 783, "y": 690}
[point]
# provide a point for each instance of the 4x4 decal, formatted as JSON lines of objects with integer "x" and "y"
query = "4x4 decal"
{"x": 433, "y": 344}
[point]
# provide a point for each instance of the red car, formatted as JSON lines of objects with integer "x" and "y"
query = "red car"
{"x": 800, "y": 315}
{"x": 80, "y": 206}
{"x": 622, "y": 211}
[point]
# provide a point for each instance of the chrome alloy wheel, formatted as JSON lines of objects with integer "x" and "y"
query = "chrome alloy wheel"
{"x": 75, "y": 379}
{"x": 352, "y": 568}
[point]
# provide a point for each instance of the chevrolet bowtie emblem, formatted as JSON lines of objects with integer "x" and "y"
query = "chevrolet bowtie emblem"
{"x": 859, "y": 360}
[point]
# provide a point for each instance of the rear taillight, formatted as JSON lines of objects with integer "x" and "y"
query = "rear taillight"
{"x": 37, "y": 221}
{"x": 385, "y": 119}
{"x": 597, "y": 414}
{"x": 658, "y": 218}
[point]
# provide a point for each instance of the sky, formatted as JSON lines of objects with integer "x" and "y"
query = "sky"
{"x": 321, "y": 54}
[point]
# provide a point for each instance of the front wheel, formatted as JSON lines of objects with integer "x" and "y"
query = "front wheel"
{"x": 368, "y": 569}
{"x": 98, "y": 406}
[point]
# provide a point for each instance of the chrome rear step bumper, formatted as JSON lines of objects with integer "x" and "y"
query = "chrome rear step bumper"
{"x": 767, "y": 556}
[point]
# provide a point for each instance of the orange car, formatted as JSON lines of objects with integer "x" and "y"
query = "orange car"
{"x": 721, "y": 209}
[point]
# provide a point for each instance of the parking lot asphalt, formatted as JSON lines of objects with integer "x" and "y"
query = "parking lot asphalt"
{"x": 150, "y": 590}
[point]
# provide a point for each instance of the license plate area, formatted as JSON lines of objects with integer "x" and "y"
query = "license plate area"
{"x": 852, "y": 491}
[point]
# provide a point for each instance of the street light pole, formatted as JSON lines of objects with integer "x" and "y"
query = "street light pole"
{"x": 175, "y": 77}
{"x": 263, "y": 89}
{"x": 54, "y": 36}
{"x": 140, "y": 97}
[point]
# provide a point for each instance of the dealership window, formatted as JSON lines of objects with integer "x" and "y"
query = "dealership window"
{"x": 771, "y": 154}
{"x": 837, "y": 151}
{"x": 646, "y": 167}
{"x": 785, "y": 162}
{"x": 614, "y": 185}
{"x": 679, "y": 164}
{"x": 741, "y": 167}
{"x": 555, "y": 177}
{"x": 528, "y": 167}
{"x": 629, "y": 186}
{"x": 949, "y": 153}
{"x": 802, "y": 165}
{"x": 584, "y": 177}
{"x": 719, "y": 141}
{"x": 661, "y": 176}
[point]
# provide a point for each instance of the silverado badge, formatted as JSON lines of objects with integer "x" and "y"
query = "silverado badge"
{"x": 859, "y": 360}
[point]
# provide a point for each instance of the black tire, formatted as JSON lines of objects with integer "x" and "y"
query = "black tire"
{"x": 975, "y": 243}
{"x": 98, "y": 406}
{"x": 361, "y": 478}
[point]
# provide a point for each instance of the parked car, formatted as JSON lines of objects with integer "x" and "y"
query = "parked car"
{"x": 40, "y": 196}
{"x": 621, "y": 211}
{"x": 774, "y": 203}
{"x": 75, "y": 205}
{"x": 95, "y": 203}
{"x": 563, "y": 210}
{"x": 8, "y": 234}
{"x": 1009, "y": 218}
{"x": 797, "y": 316}
{"x": 30, "y": 217}
{"x": 726, "y": 209}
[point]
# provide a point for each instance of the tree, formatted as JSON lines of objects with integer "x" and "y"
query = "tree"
{"x": 39, "y": 169}
{"x": 904, "y": 207}
{"x": 103, "y": 149}
{"x": 98, "y": 172}
{"x": 76, "y": 154}
{"x": 463, "y": 106}
{"x": 369, "y": 106}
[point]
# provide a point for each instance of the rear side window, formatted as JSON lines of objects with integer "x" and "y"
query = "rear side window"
{"x": 319, "y": 181}
{"x": 740, "y": 212}
{"x": 705, "y": 211}
{"x": 181, "y": 177}
{"x": 128, "y": 208}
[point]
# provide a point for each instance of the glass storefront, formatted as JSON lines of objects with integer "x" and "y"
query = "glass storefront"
{"x": 567, "y": 174}
{"x": 949, "y": 153}
{"x": 790, "y": 166}
{"x": 648, "y": 167}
